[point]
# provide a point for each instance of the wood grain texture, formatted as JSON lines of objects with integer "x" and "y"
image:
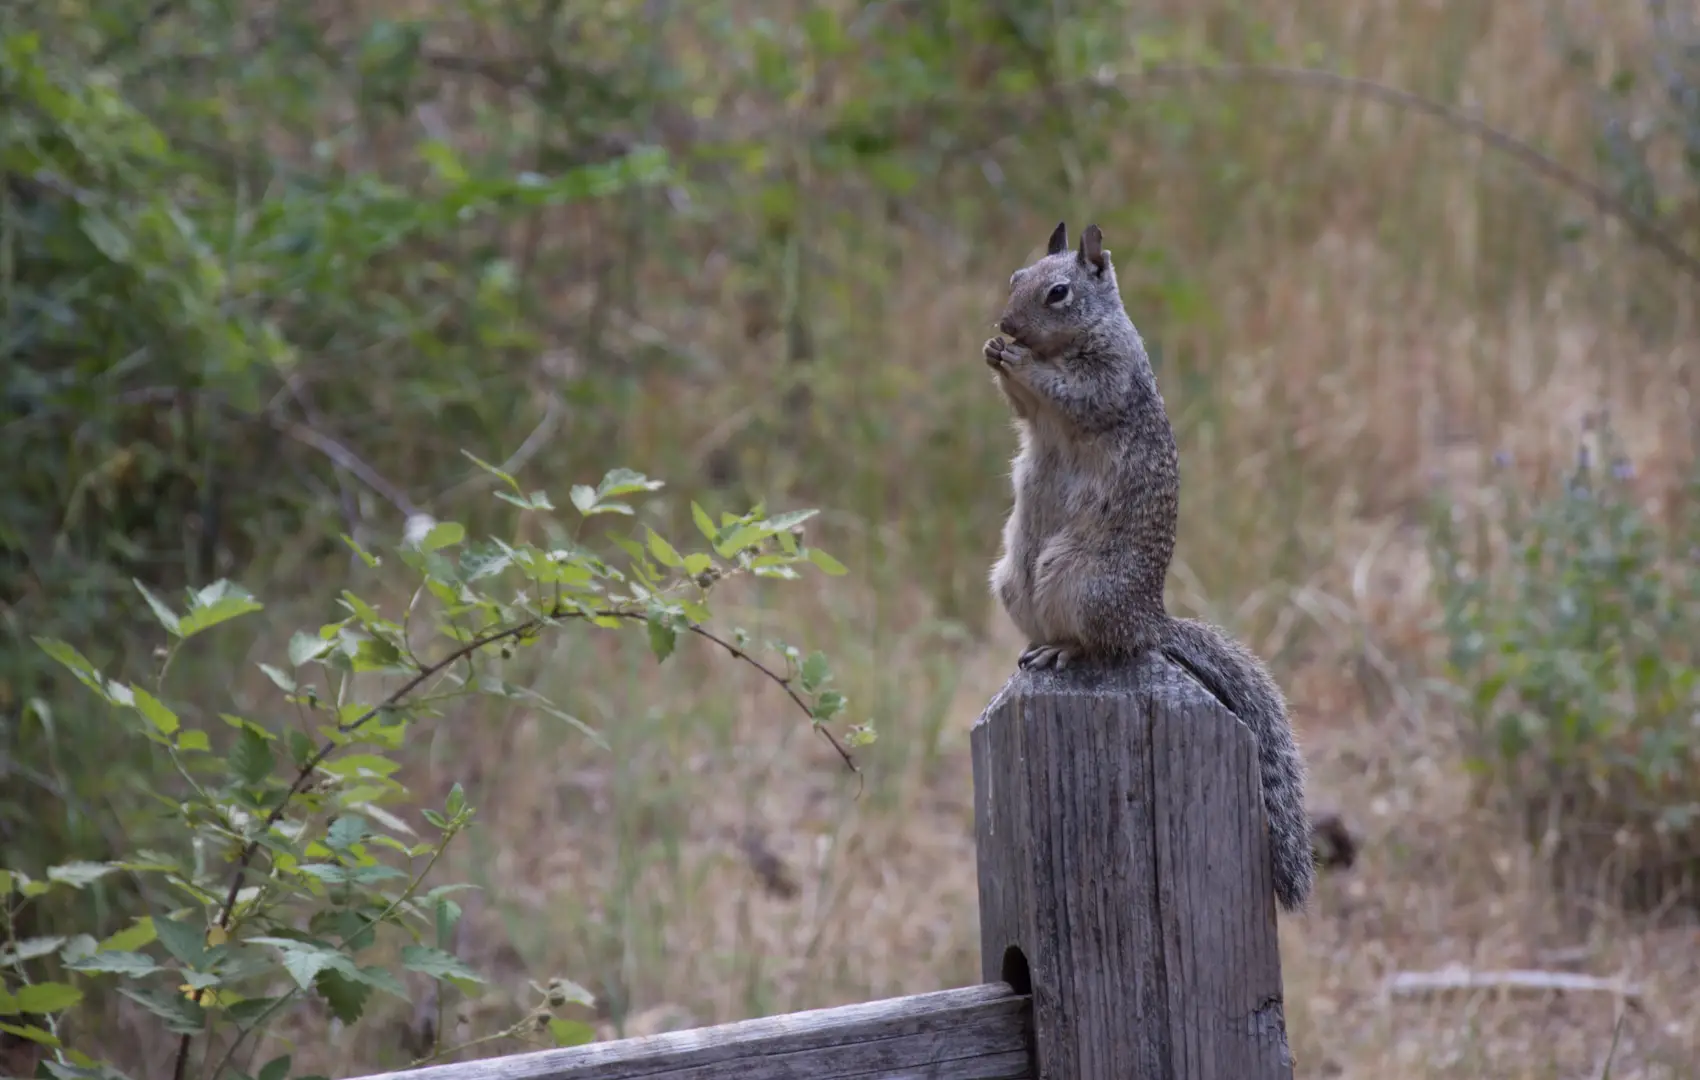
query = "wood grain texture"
{"x": 977, "y": 1033}
{"x": 1122, "y": 851}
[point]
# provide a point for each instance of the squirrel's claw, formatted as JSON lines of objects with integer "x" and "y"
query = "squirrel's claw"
{"x": 1002, "y": 355}
{"x": 1051, "y": 656}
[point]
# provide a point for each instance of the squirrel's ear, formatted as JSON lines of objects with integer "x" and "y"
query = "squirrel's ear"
{"x": 1059, "y": 239}
{"x": 1092, "y": 251}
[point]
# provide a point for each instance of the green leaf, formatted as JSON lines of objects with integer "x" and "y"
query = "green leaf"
{"x": 79, "y": 874}
{"x": 275, "y": 1069}
{"x": 346, "y": 995}
{"x": 739, "y": 539}
{"x": 193, "y": 739}
{"x": 132, "y": 937}
{"x": 570, "y": 1032}
{"x": 116, "y": 962}
{"x": 304, "y": 647}
{"x": 663, "y": 551}
{"x": 216, "y": 603}
{"x": 625, "y": 482}
{"x": 366, "y": 557}
{"x": 787, "y": 521}
{"x": 155, "y": 711}
{"x": 183, "y": 939}
{"x": 828, "y": 705}
{"x": 439, "y": 965}
{"x": 662, "y": 637}
{"x": 46, "y": 997}
{"x": 304, "y": 961}
{"x": 251, "y": 757}
{"x": 30, "y": 948}
{"x": 492, "y": 470}
{"x": 284, "y": 680}
{"x": 815, "y": 671}
{"x": 443, "y": 534}
{"x": 584, "y": 497}
{"x": 705, "y": 524}
{"x": 181, "y": 1016}
{"x": 80, "y": 666}
{"x": 345, "y": 832}
{"x": 162, "y": 611}
{"x": 33, "y": 1034}
{"x": 826, "y": 562}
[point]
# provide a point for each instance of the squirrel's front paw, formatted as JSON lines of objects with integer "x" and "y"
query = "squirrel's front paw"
{"x": 1004, "y": 356}
{"x": 1049, "y": 656}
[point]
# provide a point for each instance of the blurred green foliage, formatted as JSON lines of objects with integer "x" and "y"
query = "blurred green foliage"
{"x": 1572, "y": 623}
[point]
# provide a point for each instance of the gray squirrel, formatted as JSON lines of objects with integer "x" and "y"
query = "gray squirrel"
{"x": 1087, "y": 545}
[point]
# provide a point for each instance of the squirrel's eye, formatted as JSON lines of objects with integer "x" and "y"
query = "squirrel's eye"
{"x": 1057, "y": 295}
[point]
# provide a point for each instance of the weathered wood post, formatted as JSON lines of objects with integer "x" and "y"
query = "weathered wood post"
{"x": 1124, "y": 876}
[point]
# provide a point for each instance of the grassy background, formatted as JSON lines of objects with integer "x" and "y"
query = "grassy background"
{"x": 1354, "y": 310}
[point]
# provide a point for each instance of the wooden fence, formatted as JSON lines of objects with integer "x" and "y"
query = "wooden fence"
{"x": 1127, "y": 921}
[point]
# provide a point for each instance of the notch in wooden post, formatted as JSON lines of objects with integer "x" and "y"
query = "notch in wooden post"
{"x": 1125, "y": 876}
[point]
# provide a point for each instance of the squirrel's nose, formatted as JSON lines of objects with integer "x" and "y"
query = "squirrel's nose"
{"x": 1007, "y": 325}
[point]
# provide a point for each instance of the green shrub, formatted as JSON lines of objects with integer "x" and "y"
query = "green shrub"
{"x": 1572, "y": 621}
{"x": 295, "y": 866}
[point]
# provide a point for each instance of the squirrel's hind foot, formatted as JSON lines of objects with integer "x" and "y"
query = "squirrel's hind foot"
{"x": 1049, "y": 656}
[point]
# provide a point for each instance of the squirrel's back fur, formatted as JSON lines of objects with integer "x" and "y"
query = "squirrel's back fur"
{"x": 1088, "y": 542}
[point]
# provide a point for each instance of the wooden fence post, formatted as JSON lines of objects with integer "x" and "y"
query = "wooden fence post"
{"x": 1125, "y": 879}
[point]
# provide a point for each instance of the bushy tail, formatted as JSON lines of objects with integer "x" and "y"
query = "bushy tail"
{"x": 1238, "y": 679}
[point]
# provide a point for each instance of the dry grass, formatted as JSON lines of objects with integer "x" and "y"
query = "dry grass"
{"x": 1390, "y": 311}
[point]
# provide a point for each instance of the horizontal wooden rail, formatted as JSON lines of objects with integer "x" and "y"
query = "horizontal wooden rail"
{"x": 976, "y": 1033}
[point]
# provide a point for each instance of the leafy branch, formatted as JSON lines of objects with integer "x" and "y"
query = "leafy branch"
{"x": 320, "y": 904}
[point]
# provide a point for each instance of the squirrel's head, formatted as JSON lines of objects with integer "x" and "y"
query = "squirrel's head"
{"x": 1063, "y": 295}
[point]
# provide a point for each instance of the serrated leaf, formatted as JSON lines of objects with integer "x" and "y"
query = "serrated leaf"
{"x": 663, "y": 551}
{"x": 155, "y": 711}
{"x": 183, "y": 939}
{"x": 182, "y": 1016}
{"x": 161, "y": 610}
{"x": 740, "y": 538}
{"x": 304, "y": 647}
{"x": 283, "y": 679}
{"x": 704, "y": 523}
{"x": 443, "y": 534}
{"x": 815, "y": 671}
{"x": 663, "y": 639}
{"x": 117, "y": 962}
{"x": 826, "y": 562}
{"x": 437, "y": 964}
{"x": 346, "y": 996}
{"x": 131, "y": 937}
{"x": 345, "y": 832}
{"x": 570, "y": 1032}
{"x": 251, "y": 758}
{"x": 828, "y": 705}
{"x": 46, "y": 997}
{"x": 275, "y": 1069}
{"x": 790, "y": 520}
{"x": 84, "y": 669}
{"x": 218, "y": 602}
{"x": 31, "y": 948}
{"x": 304, "y": 960}
{"x": 625, "y": 482}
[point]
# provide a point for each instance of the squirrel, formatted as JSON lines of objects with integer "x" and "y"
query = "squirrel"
{"x": 1087, "y": 545}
